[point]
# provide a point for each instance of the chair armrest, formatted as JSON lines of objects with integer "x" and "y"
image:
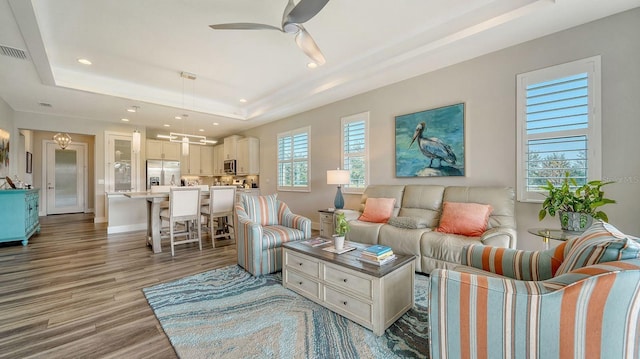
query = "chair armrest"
{"x": 500, "y": 237}
{"x": 514, "y": 263}
{"x": 299, "y": 222}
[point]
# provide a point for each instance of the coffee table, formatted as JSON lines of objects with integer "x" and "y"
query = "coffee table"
{"x": 372, "y": 296}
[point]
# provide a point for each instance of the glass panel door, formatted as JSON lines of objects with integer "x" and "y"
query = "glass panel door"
{"x": 65, "y": 178}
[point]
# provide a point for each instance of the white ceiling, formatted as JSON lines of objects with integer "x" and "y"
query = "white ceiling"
{"x": 138, "y": 49}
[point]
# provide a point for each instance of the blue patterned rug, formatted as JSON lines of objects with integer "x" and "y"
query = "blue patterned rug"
{"x": 227, "y": 313}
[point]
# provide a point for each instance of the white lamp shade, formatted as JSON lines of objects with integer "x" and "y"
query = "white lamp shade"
{"x": 135, "y": 143}
{"x": 338, "y": 177}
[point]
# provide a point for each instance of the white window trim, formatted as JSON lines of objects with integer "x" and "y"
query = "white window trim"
{"x": 307, "y": 130}
{"x": 356, "y": 118}
{"x": 592, "y": 66}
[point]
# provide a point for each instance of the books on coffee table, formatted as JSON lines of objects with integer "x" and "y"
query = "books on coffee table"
{"x": 378, "y": 262}
{"x": 377, "y": 254}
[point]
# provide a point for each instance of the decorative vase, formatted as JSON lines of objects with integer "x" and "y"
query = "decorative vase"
{"x": 338, "y": 242}
{"x": 574, "y": 221}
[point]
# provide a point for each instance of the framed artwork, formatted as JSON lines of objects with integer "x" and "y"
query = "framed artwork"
{"x": 4, "y": 153}
{"x": 29, "y": 162}
{"x": 431, "y": 142}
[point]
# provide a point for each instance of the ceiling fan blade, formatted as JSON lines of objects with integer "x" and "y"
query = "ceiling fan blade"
{"x": 244, "y": 26}
{"x": 305, "y": 10}
{"x": 306, "y": 43}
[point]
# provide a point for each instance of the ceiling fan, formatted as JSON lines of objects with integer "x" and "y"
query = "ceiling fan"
{"x": 292, "y": 19}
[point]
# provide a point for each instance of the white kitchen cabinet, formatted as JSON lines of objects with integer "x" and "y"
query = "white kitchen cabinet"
{"x": 199, "y": 162}
{"x": 248, "y": 159}
{"x": 218, "y": 160}
{"x": 230, "y": 147}
{"x": 206, "y": 160}
{"x": 162, "y": 150}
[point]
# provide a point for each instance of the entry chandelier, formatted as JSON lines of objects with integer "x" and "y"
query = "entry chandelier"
{"x": 63, "y": 140}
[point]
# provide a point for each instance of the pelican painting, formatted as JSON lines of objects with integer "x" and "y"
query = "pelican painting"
{"x": 431, "y": 143}
{"x": 432, "y": 147}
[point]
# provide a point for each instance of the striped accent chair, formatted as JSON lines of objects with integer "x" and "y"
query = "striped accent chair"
{"x": 579, "y": 300}
{"x": 263, "y": 224}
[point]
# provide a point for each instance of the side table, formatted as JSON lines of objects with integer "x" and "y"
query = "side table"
{"x": 557, "y": 234}
{"x": 327, "y": 226}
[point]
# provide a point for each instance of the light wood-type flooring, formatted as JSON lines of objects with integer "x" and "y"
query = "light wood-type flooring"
{"x": 75, "y": 292}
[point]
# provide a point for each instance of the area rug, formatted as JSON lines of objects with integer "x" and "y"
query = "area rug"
{"x": 228, "y": 313}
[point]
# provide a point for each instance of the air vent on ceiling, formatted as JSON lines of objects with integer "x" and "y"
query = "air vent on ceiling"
{"x": 13, "y": 52}
{"x": 44, "y": 104}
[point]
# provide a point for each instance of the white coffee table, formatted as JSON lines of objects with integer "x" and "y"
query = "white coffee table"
{"x": 372, "y": 296}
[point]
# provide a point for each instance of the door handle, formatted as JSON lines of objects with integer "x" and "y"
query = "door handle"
{"x": 50, "y": 187}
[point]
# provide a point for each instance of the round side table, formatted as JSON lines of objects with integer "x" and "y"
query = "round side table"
{"x": 557, "y": 234}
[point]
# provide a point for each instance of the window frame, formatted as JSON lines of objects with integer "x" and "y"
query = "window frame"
{"x": 592, "y": 67}
{"x": 302, "y": 130}
{"x": 344, "y": 121}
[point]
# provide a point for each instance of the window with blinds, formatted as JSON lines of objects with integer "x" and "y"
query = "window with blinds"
{"x": 558, "y": 126}
{"x": 293, "y": 160}
{"x": 355, "y": 151}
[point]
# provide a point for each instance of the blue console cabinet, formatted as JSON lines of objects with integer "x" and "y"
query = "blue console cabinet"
{"x": 19, "y": 214}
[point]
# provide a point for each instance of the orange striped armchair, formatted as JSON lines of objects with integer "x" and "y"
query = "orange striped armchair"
{"x": 578, "y": 300}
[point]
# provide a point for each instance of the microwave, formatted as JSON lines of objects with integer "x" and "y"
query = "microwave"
{"x": 230, "y": 167}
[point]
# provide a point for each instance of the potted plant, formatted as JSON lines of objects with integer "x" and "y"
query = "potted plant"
{"x": 342, "y": 227}
{"x": 576, "y": 208}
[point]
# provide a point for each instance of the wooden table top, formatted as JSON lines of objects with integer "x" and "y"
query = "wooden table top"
{"x": 350, "y": 259}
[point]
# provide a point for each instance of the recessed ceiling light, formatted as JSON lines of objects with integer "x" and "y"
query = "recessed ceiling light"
{"x": 243, "y": 100}
{"x": 133, "y": 109}
{"x": 166, "y": 125}
{"x": 201, "y": 129}
{"x": 84, "y": 61}
{"x": 312, "y": 65}
{"x": 215, "y": 124}
{"x": 125, "y": 120}
{"x": 178, "y": 118}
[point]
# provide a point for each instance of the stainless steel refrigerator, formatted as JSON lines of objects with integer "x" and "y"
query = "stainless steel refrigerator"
{"x": 163, "y": 173}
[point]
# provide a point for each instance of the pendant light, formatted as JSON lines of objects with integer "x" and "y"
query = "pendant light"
{"x": 63, "y": 140}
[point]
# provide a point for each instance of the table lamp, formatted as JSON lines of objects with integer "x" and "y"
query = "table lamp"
{"x": 338, "y": 177}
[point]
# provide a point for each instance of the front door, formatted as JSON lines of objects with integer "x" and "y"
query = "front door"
{"x": 65, "y": 178}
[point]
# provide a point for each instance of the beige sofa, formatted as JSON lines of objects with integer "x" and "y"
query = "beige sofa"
{"x": 424, "y": 202}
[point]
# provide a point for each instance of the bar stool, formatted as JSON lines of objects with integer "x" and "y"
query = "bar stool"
{"x": 219, "y": 212}
{"x": 183, "y": 216}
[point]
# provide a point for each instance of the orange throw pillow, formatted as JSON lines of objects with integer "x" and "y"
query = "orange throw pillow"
{"x": 378, "y": 210}
{"x": 468, "y": 219}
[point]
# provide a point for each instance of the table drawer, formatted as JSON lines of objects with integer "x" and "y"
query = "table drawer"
{"x": 345, "y": 303}
{"x": 302, "y": 264}
{"x": 343, "y": 279}
{"x": 300, "y": 283}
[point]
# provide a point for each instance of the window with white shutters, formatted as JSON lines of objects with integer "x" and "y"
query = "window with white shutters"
{"x": 355, "y": 151}
{"x": 293, "y": 160}
{"x": 558, "y": 113}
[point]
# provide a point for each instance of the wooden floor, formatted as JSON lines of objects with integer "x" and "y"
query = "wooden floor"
{"x": 75, "y": 292}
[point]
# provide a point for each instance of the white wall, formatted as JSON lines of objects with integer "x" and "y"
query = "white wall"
{"x": 487, "y": 86}
{"x": 44, "y": 122}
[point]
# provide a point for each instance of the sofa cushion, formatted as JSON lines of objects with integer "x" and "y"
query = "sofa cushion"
{"x": 274, "y": 236}
{"x": 383, "y": 191}
{"x": 262, "y": 209}
{"x": 600, "y": 243}
{"x": 501, "y": 199}
{"x": 468, "y": 219}
{"x": 408, "y": 222}
{"x": 377, "y": 210}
